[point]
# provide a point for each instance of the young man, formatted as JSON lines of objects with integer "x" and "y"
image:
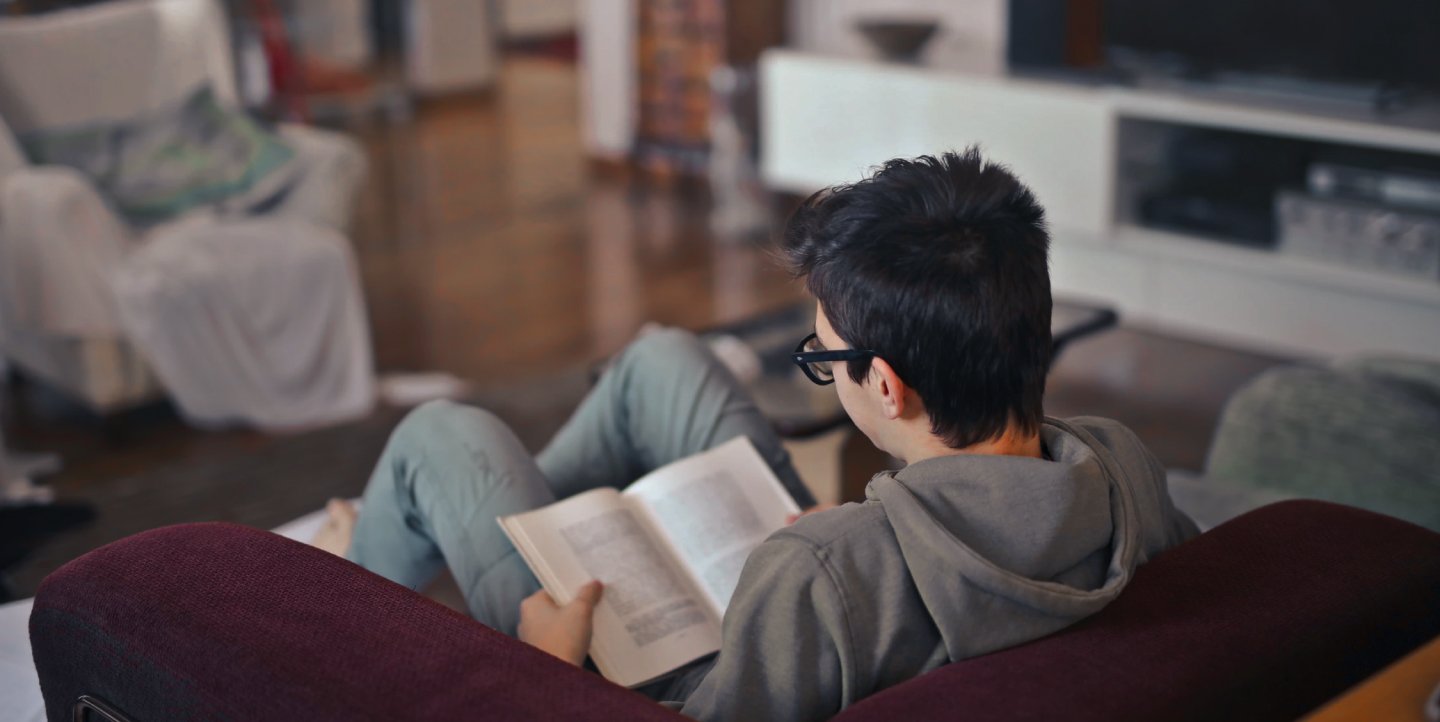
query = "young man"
{"x": 934, "y": 325}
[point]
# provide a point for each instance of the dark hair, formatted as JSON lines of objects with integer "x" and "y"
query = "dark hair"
{"x": 939, "y": 265}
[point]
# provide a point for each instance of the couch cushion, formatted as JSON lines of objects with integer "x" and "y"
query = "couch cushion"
{"x": 1361, "y": 433}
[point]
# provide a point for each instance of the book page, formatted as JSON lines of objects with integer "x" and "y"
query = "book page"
{"x": 650, "y": 619}
{"x": 714, "y": 509}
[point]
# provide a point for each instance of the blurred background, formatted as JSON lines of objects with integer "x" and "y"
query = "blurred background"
{"x": 239, "y": 239}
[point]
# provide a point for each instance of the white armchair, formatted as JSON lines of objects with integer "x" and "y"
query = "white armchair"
{"x": 58, "y": 243}
{"x": 71, "y": 266}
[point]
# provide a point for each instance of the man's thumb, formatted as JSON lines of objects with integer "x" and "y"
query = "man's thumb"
{"x": 590, "y": 593}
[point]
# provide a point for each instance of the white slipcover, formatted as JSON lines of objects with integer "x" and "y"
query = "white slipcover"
{"x": 256, "y": 320}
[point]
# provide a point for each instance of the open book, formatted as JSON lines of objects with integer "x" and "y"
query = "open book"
{"x": 669, "y": 550}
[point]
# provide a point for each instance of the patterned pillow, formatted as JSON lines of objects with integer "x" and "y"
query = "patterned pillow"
{"x": 152, "y": 169}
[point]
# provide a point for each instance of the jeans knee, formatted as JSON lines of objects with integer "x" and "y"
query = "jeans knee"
{"x": 442, "y": 422}
{"x": 666, "y": 349}
{"x": 429, "y": 416}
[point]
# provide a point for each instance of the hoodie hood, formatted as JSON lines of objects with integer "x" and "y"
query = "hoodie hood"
{"x": 947, "y": 559}
{"x": 1041, "y": 543}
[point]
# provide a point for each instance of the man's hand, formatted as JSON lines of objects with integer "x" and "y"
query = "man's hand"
{"x": 812, "y": 510}
{"x": 561, "y": 631}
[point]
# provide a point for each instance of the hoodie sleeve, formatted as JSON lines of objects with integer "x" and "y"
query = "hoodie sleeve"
{"x": 786, "y": 650}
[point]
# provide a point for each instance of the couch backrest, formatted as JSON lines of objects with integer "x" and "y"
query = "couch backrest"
{"x": 111, "y": 62}
{"x": 1263, "y": 618}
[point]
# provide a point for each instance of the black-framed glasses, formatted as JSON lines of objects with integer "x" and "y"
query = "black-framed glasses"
{"x": 818, "y": 363}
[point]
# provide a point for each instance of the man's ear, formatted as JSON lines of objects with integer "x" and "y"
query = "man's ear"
{"x": 889, "y": 388}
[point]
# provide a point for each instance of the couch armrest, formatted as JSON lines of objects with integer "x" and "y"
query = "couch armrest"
{"x": 219, "y": 621}
{"x": 58, "y": 243}
{"x": 333, "y": 167}
{"x": 1263, "y": 618}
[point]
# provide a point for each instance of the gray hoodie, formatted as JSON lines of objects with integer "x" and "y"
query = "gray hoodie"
{"x": 946, "y": 559}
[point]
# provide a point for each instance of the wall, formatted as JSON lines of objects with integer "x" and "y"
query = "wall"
{"x": 972, "y": 36}
{"x": 335, "y": 30}
{"x": 607, "y": 76}
{"x": 538, "y": 18}
{"x": 972, "y": 32}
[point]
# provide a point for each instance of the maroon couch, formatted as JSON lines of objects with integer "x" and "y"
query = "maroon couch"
{"x": 1265, "y": 617}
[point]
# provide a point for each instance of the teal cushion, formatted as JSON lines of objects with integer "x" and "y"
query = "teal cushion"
{"x": 1363, "y": 432}
{"x": 154, "y": 168}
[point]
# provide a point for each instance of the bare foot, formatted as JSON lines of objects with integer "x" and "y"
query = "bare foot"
{"x": 335, "y": 536}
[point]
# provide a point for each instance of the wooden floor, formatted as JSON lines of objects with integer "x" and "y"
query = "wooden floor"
{"x": 489, "y": 249}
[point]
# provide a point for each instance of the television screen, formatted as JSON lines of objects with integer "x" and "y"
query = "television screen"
{"x": 1394, "y": 42}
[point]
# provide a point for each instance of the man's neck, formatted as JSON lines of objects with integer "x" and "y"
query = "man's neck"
{"x": 1012, "y": 442}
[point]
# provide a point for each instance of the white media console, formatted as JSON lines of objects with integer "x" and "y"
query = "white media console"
{"x": 1084, "y": 150}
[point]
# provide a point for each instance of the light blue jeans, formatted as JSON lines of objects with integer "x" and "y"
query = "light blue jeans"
{"x": 449, "y": 470}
